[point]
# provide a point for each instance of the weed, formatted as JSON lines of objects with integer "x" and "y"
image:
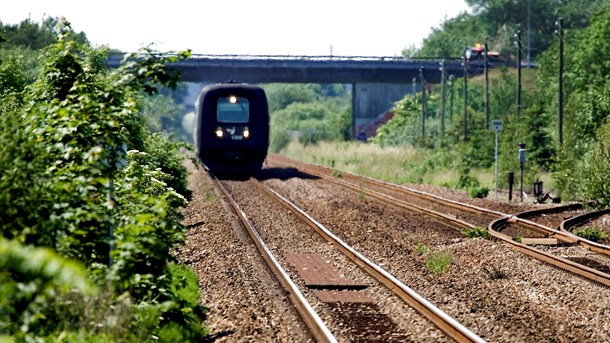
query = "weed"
{"x": 479, "y": 192}
{"x": 476, "y": 232}
{"x": 335, "y": 173}
{"x": 591, "y": 233}
{"x": 439, "y": 262}
{"x": 421, "y": 249}
{"x": 361, "y": 193}
{"x": 209, "y": 195}
{"x": 518, "y": 239}
{"x": 496, "y": 274}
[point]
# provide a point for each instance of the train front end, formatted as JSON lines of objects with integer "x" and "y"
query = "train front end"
{"x": 232, "y": 128}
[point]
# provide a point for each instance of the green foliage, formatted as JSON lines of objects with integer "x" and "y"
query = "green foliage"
{"x": 12, "y": 76}
{"x": 586, "y": 109}
{"x": 439, "y": 262}
{"x": 162, "y": 114}
{"x": 167, "y": 156}
{"x": 30, "y": 277}
{"x": 146, "y": 70}
{"x": 592, "y": 234}
{"x": 421, "y": 249}
{"x": 281, "y": 96}
{"x": 476, "y": 232}
{"x": 480, "y": 192}
{"x": 80, "y": 174}
{"x": 498, "y": 21}
{"x": 453, "y": 35}
{"x": 312, "y": 122}
{"x": 593, "y": 182}
{"x": 404, "y": 127}
{"x": 279, "y": 140}
{"x": 311, "y": 112}
{"x": 465, "y": 180}
{"x": 35, "y": 36}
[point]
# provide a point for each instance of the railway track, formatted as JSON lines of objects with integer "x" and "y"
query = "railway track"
{"x": 497, "y": 292}
{"x": 342, "y": 302}
{"x": 526, "y": 236}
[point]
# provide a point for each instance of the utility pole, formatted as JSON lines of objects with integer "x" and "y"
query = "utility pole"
{"x": 465, "y": 98}
{"x": 424, "y": 106}
{"x": 519, "y": 46}
{"x": 451, "y": 89}
{"x": 560, "y": 95}
{"x": 486, "y": 97}
{"x": 529, "y": 29}
{"x": 442, "y": 98}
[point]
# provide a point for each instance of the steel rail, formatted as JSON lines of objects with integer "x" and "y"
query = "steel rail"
{"x": 567, "y": 225}
{"x": 401, "y": 204}
{"x": 553, "y": 233}
{"x": 494, "y": 229}
{"x": 319, "y": 330}
{"x": 388, "y": 185}
{"x": 562, "y": 263}
{"x": 438, "y": 317}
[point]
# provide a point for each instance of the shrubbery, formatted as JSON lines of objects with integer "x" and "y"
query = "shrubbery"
{"x": 89, "y": 192}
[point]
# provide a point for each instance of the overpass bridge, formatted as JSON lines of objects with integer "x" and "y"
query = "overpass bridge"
{"x": 377, "y": 82}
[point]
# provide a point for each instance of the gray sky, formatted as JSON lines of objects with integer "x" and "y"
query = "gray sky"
{"x": 262, "y": 27}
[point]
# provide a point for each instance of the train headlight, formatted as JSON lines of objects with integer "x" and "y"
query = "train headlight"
{"x": 219, "y": 133}
{"x": 246, "y": 132}
{"x": 233, "y": 99}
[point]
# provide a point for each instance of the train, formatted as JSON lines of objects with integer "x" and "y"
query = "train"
{"x": 231, "y": 128}
{"x": 476, "y": 54}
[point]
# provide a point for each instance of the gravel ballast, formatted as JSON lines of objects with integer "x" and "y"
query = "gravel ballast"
{"x": 499, "y": 293}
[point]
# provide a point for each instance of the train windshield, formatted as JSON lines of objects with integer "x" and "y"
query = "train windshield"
{"x": 233, "y": 109}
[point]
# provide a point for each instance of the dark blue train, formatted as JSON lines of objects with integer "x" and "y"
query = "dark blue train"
{"x": 231, "y": 128}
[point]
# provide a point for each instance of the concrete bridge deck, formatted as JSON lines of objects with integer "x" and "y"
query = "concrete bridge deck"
{"x": 310, "y": 69}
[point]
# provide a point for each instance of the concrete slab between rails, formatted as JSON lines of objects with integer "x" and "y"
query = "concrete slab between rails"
{"x": 343, "y": 296}
{"x": 539, "y": 241}
{"x": 317, "y": 272}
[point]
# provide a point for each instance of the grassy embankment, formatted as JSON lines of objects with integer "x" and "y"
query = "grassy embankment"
{"x": 392, "y": 164}
{"x": 403, "y": 164}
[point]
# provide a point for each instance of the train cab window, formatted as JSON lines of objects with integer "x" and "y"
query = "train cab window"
{"x": 233, "y": 109}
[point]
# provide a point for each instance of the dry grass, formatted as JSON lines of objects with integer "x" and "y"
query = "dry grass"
{"x": 393, "y": 164}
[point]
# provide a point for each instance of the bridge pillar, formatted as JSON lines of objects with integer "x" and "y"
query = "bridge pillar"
{"x": 371, "y": 101}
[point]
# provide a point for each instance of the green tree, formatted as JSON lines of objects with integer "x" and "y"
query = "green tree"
{"x": 35, "y": 36}
{"x": 453, "y": 36}
{"x": 593, "y": 180}
{"x": 499, "y": 20}
{"x": 281, "y": 96}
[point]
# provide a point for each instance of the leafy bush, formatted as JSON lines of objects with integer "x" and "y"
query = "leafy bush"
{"x": 478, "y": 192}
{"x": 475, "y": 232}
{"x": 69, "y": 183}
{"x": 592, "y": 234}
{"x": 30, "y": 277}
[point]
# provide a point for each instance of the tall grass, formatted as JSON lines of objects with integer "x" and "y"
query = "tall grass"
{"x": 393, "y": 164}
